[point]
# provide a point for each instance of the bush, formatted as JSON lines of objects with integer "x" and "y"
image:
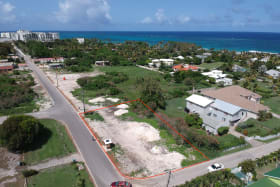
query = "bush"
{"x": 245, "y": 132}
{"x": 29, "y": 173}
{"x": 223, "y": 130}
{"x": 193, "y": 120}
{"x": 114, "y": 91}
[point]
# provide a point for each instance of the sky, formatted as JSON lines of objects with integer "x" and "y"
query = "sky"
{"x": 140, "y": 15}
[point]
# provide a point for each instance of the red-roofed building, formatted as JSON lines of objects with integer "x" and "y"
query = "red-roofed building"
{"x": 6, "y": 67}
{"x": 185, "y": 67}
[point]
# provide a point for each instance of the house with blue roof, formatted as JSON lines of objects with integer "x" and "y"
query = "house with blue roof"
{"x": 214, "y": 112}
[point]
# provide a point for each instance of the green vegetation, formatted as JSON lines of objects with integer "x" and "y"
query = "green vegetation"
{"x": 223, "y": 130}
{"x": 54, "y": 142}
{"x": 211, "y": 66}
{"x": 218, "y": 178}
{"x": 253, "y": 127}
{"x": 151, "y": 94}
{"x": 273, "y": 103}
{"x": 130, "y": 89}
{"x": 5, "y": 50}
{"x": 16, "y": 94}
{"x": 19, "y": 133}
{"x": 66, "y": 175}
{"x": 248, "y": 166}
{"x": 193, "y": 120}
{"x": 175, "y": 107}
{"x": 94, "y": 116}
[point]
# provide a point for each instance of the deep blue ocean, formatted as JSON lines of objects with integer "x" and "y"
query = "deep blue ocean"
{"x": 239, "y": 41}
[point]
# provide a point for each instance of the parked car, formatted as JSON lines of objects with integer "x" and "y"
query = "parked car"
{"x": 215, "y": 167}
{"x": 121, "y": 184}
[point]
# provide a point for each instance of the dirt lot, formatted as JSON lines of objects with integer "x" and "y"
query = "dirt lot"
{"x": 136, "y": 151}
{"x": 68, "y": 83}
{"x": 8, "y": 164}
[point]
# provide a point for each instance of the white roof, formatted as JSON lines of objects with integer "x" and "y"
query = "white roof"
{"x": 199, "y": 100}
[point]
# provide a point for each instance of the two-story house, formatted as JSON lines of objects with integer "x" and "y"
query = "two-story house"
{"x": 214, "y": 112}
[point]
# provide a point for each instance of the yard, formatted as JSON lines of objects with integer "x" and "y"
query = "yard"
{"x": 273, "y": 103}
{"x": 211, "y": 66}
{"x": 67, "y": 175}
{"x": 253, "y": 127}
{"x": 55, "y": 142}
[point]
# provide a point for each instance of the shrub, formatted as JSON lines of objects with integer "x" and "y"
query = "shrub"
{"x": 114, "y": 91}
{"x": 223, "y": 130}
{"x": 29, "y": 173}
{"x": 245, "y": 132}
{"x": 193, "y": 120}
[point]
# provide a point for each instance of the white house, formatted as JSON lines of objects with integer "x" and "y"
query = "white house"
{"x": 180, "y": 58}
{"x": 254, "y": 59}
{"x": 81, "y": 40}
{"x": 46, "y": 60}
{"x": 219, "y": 77}
{"x": 278, "y": 67}
{"x": 273, "y": 73}
{"x": 159, "y": 62}
{"x": 215, "y": 113}
{"x": 265, "y": 59}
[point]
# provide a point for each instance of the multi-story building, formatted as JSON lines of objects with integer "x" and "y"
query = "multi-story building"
{"x": 28, "y": 35}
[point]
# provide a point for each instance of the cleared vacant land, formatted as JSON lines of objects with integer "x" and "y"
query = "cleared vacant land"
{"x": 55, "y": 142}
{"x": 67, "y": 175}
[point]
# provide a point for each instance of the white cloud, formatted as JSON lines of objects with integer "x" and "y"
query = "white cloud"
{"x": 183, "y": 19}
{"x": 81, "y": 11}
{"x": 160, "y": 16}
{"x": 147, "y": 20}
{"x": 6, "y": 12}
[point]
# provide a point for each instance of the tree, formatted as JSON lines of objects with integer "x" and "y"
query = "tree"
{"x": 17, "y": 133}
{"x": 248, "y": 166}
{"x": 193, "y": 120}
{"x": 152, "y": 94}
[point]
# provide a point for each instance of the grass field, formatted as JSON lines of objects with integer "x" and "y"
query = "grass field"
{"x": 210, "y": 66}
{"x": 131, "y": 88}
{"x": 175, "y": 107}
{"x": 262, "y": 128}
{"x": 62, "y": 176}
{"x": 55, "y": 142}
{"x": 273, "y": 103}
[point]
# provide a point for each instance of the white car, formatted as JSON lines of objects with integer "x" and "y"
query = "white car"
{"x": 215, "y": 167}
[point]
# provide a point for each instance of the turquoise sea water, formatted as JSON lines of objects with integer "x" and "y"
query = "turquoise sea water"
{"x": 239, "y": 41}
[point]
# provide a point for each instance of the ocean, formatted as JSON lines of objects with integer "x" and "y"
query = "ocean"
{"x": 238, "y": 41}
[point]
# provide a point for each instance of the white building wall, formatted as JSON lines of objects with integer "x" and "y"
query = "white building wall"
{"x": 194, "y": 108}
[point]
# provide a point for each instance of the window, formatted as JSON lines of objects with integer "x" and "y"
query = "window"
{"x": 224, "y": 119}
{"x": 215, "y": 115}
{"x": 209, "y": 114}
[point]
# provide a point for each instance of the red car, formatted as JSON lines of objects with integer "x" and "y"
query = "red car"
{"x": 121, "y": 184}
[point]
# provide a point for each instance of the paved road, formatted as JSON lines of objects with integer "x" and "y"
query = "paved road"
{"x": 98, "y": 164}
